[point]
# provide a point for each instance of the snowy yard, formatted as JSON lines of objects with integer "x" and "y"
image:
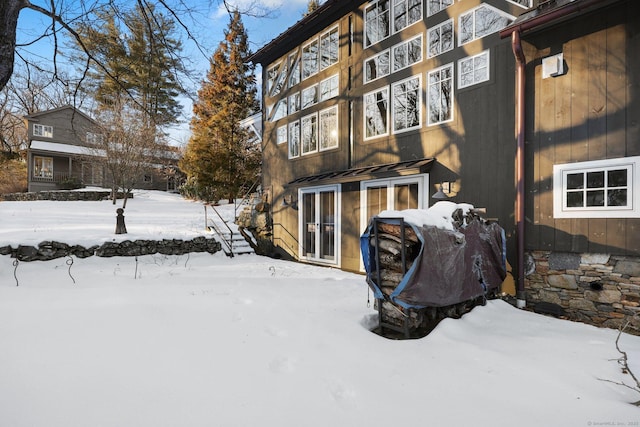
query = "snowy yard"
{"x": 204, "y": 340}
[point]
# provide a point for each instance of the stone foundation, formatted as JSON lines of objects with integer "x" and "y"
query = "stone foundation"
{"x": 62, "y": 195}
{"x": 598, "y": 289}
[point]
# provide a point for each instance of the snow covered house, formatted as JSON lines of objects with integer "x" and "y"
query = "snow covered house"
{"x": 374, "y": 105}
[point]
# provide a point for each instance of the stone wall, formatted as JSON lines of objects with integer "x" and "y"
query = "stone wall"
{"x": 51, "y": 250}
{"x": 599, "y": 289}
{"x": 62, "y": 195}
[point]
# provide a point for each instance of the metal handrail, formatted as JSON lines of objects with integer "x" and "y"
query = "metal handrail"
{"x": 217, "y": 230}
{"x": 289, "y": 248}
{"x": 245, "y": 197}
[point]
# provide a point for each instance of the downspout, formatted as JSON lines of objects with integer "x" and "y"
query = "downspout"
{"x": 516, "y": 45}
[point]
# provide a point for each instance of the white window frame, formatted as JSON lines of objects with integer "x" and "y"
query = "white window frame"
{"x": 473, "y": 59}
{"x": 366, "y": 23}
{"x": 337, "y": 232}
{"x": 44, "y": 131}
{"x": 293, "y": 136}
{"x": 321, "y": 47}
{"x": 439, "y": 29}
{"x": 293, "y": 103}
{"x": 295, "y": 75}
{"x": 271, "y": 81}
{"x": 428, "y": 85}
{"x": 632, "y": 210}
{"x": 405, "y": 45}
{"x": 333, "y": 83}
{"x": 309, "y": 123}
{"x": 393, "y": 15}
{"x": 443, "y": 5}
{"x": 281, "y": 105}
{"x": 384, "y": 89}
{"x": 304, "y": 92}
{"x": 316, "y": 70}
{"x": 322, "y": 124}
{"x": 472, "y": 12}
{"x": 376, "y": 60}
{"x": 418, "y": 104}
{"x": 45, "y": 171}
{"x": 281, "y": 134}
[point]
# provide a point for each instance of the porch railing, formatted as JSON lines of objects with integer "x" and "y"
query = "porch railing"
{"x": 56, "y": 177}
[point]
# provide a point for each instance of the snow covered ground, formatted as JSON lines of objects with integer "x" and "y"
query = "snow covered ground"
{"x": 204, "y": 340}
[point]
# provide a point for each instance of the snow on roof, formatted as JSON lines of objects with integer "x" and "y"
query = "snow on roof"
{"x": 439, "y": 215}
{"x": 58, "y": 147}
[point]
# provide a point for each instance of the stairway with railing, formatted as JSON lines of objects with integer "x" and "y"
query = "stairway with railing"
{"x": 226, "y": 232}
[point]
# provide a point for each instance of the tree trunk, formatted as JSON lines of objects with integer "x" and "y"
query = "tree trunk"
{"x": 9, "y": 11}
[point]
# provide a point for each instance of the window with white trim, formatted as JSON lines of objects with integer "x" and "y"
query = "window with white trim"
{"x": 42, "y": 167}
{"x": 376, "y": 22}
{"x": 435, "y": 6}
{"x": 407, "y": 99}
{"x": 407, "y": 53}
{"x": 309, "y": 96}
{"x": 294, "y": 139}
{"x": 309, "y": 136}
{"x": 293, "y": 103}
{"x": 279, "y": 111}
{"x": 281, "y": 134}
{"x": 406, "y": 13}
{"x": 376, "y": 113}
{"x": 440, "y": 95}
{"x": 42, "y": 130}
{"x": 377, "y": 66}
{"x": 473, "y": 70}
{"x": 597, "y": 189}
{"x": 329, "y": 88}
{"x": 481, "y": 21}
{"x": 329, "y": 44}
{"x": 272, "y": 75}
{"x": 392, "y": 194}
{"x": 440, "y": 38}
{"x": 310, "y": 59}
{"x": 329, "y": 128}
{"x": 294, "y": 66}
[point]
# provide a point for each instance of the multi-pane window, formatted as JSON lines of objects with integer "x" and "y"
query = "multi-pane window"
{"x": 406, "y": 104}
{"x": 43, "y": 167}
{"x": 280, "y": 110}
{"x": 294, "y": 103}
{"x": 473, "y": 70}
{"x": 405, "y": 13}
{"x": 309, "y": 96}
{"x": 435, "y": 6}
{"x": 294, "y": 139}
{"x": 524, "y": 3}
{"x": 43, "y": 130}
{"x": 329, "y": 88}
{"x": 481, "y": 21}
{"x": 329, "y": 128}
{"x": 440, "y": 39}
{"x": 377, "y": 66}
{"x": 272, "y": 75}
{"x": 309, "y": 133}
{"x": 600, "y": 188}
{"x": 376, "y": 113}
{"x": 281, "y": 134}
{"x": 294, "y": 66}
{"x": 376, "y": 25}
{"x": 310, "y": 59}
{"x": 407, "y": 53}
{"x": 440, "y": 95}
{"x": 329, "y": 43}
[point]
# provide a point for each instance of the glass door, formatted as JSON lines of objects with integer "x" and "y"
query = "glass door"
{"x": 319, "y": 229}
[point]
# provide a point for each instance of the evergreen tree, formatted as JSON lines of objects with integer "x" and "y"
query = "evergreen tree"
{"x": 220, "y": 160}
{"x": 312, "y": 6}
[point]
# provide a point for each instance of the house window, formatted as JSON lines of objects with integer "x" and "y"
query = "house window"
{"x": 440, "y": 95}
{"x": 329, "y": 88}
{"x": 481, "y": 21}
{"x": 522, "y": 3}
{"x": 94, "y": 138}
{"x": 310, "y": 134}
{"x": 377, "y": 66}
{"x": 391, "y": 194}
{"x": 407, "y": 53}
{"x": 43, "y": 130}
{"x": 294, "y": 103}
{"x": 329, "y": 128}
{"x": 376, "y": 113}
{"x": 329, "y": 43}
{"x": 281, "y": 134}
{"x": 43, "y": 167}
{"x": 310, "y": 59}
{"x": 294, "y": 66}
{"x": 147, "y": 178}
{"x": 319, "y": 229}
{"x": 440, "y": 39}
{"x": 406, "y": 104}
{"x": 294, "y": 139}
{"x": 272, "y": 74}
{"x": 473, "y": 70}
{"x": 406, "y": 13}
{"x": 435, "y": 6}
{"x": 376, "y": 25}
{"x": 597, "y": 189}
{"x": 280, "y": 110}
{"x": 309, "y": 96}
{"x": 276, "y": 78}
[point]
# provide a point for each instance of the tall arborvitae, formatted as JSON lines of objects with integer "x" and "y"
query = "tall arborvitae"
{"x": 220, "y": 160}
{"x": 312, "y": 6}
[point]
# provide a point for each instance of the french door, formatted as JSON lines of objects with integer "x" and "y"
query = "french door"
{"x": 319, "y": 229}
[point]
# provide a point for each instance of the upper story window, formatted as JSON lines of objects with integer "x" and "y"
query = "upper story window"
{"x": 281, "y": 134}
{"x": 377, "y": 66}
{"x": 329, "y": 88}
{"x": 42, "y": 130}
{"x": 481, "y": 21}
{"x": 309, "y": 136}
{"x": 376, "y": 22}
{"x": 435, "y": 6}
{"x": 94, "y": 138}
{"x": 473, "y": 70}
{"x": 376, "y": 113}
{"x": 440, "y": 95}
{"x": 279, "y": 111}
{"x": 310, "y": 64}
{"x": 597, "y": 189}
{"x": 407, "y": 53}
{"x": 294, "y": 139}
{"x": 407, "y": 101}
{"x": 440, "y": 39}
{"x": 329, "y": 128}
{"x": 309, "y": 96}
{"x": 523, "y": 3}
{"x": 329, "y": 44}
{"x": 294, "y": 103}
{"x": 276, "y": 78}
{"x": 294, "y": 66}
{"x": 406, "y": 13}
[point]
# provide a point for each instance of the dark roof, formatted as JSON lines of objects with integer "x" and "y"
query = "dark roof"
{"x": 330, "y": 11}
{"x": 54, "y": 110}
{"x": 409, "y": 167}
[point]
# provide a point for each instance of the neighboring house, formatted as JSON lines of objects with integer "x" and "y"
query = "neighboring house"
{"x": 373, "y": 105}
{"x": 59, "y": 154}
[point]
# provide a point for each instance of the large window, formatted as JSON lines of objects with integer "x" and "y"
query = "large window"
{"x": 440, "y": 95}
{"x": 329, "y": 44}
{"x": 294, "y": 139}
{"x": 309, "y": 133}
{"x": 376, "y": 113}
{"x": 376, "y": 25}
{"x": 43, "y": 167}
{"x": 329, "y": 88}
{"x": 481, "y": 21}
{"x": 319, "y": 227}
{"x": 435, "y": 6}
{"x": 407, "y": 53}
{"x": 440, "y": 39}
{"x": 279, "y": 110}
{"x": 406, "y": 104}
{"x": 294, "y": 103}
{"x": 43, "y": 130}
{"x": 377, "y": 66}
{"x": 310, "y": 59}
{"x": 597, "y": 189}
{"x": 294, "y": 65}
{"x": 329, "y": 128}
{"x": 281, "y": 134}
{"x": 309, "y": 96}
{"x": 473, "y": 70}
{"x": 405, "y": 13}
